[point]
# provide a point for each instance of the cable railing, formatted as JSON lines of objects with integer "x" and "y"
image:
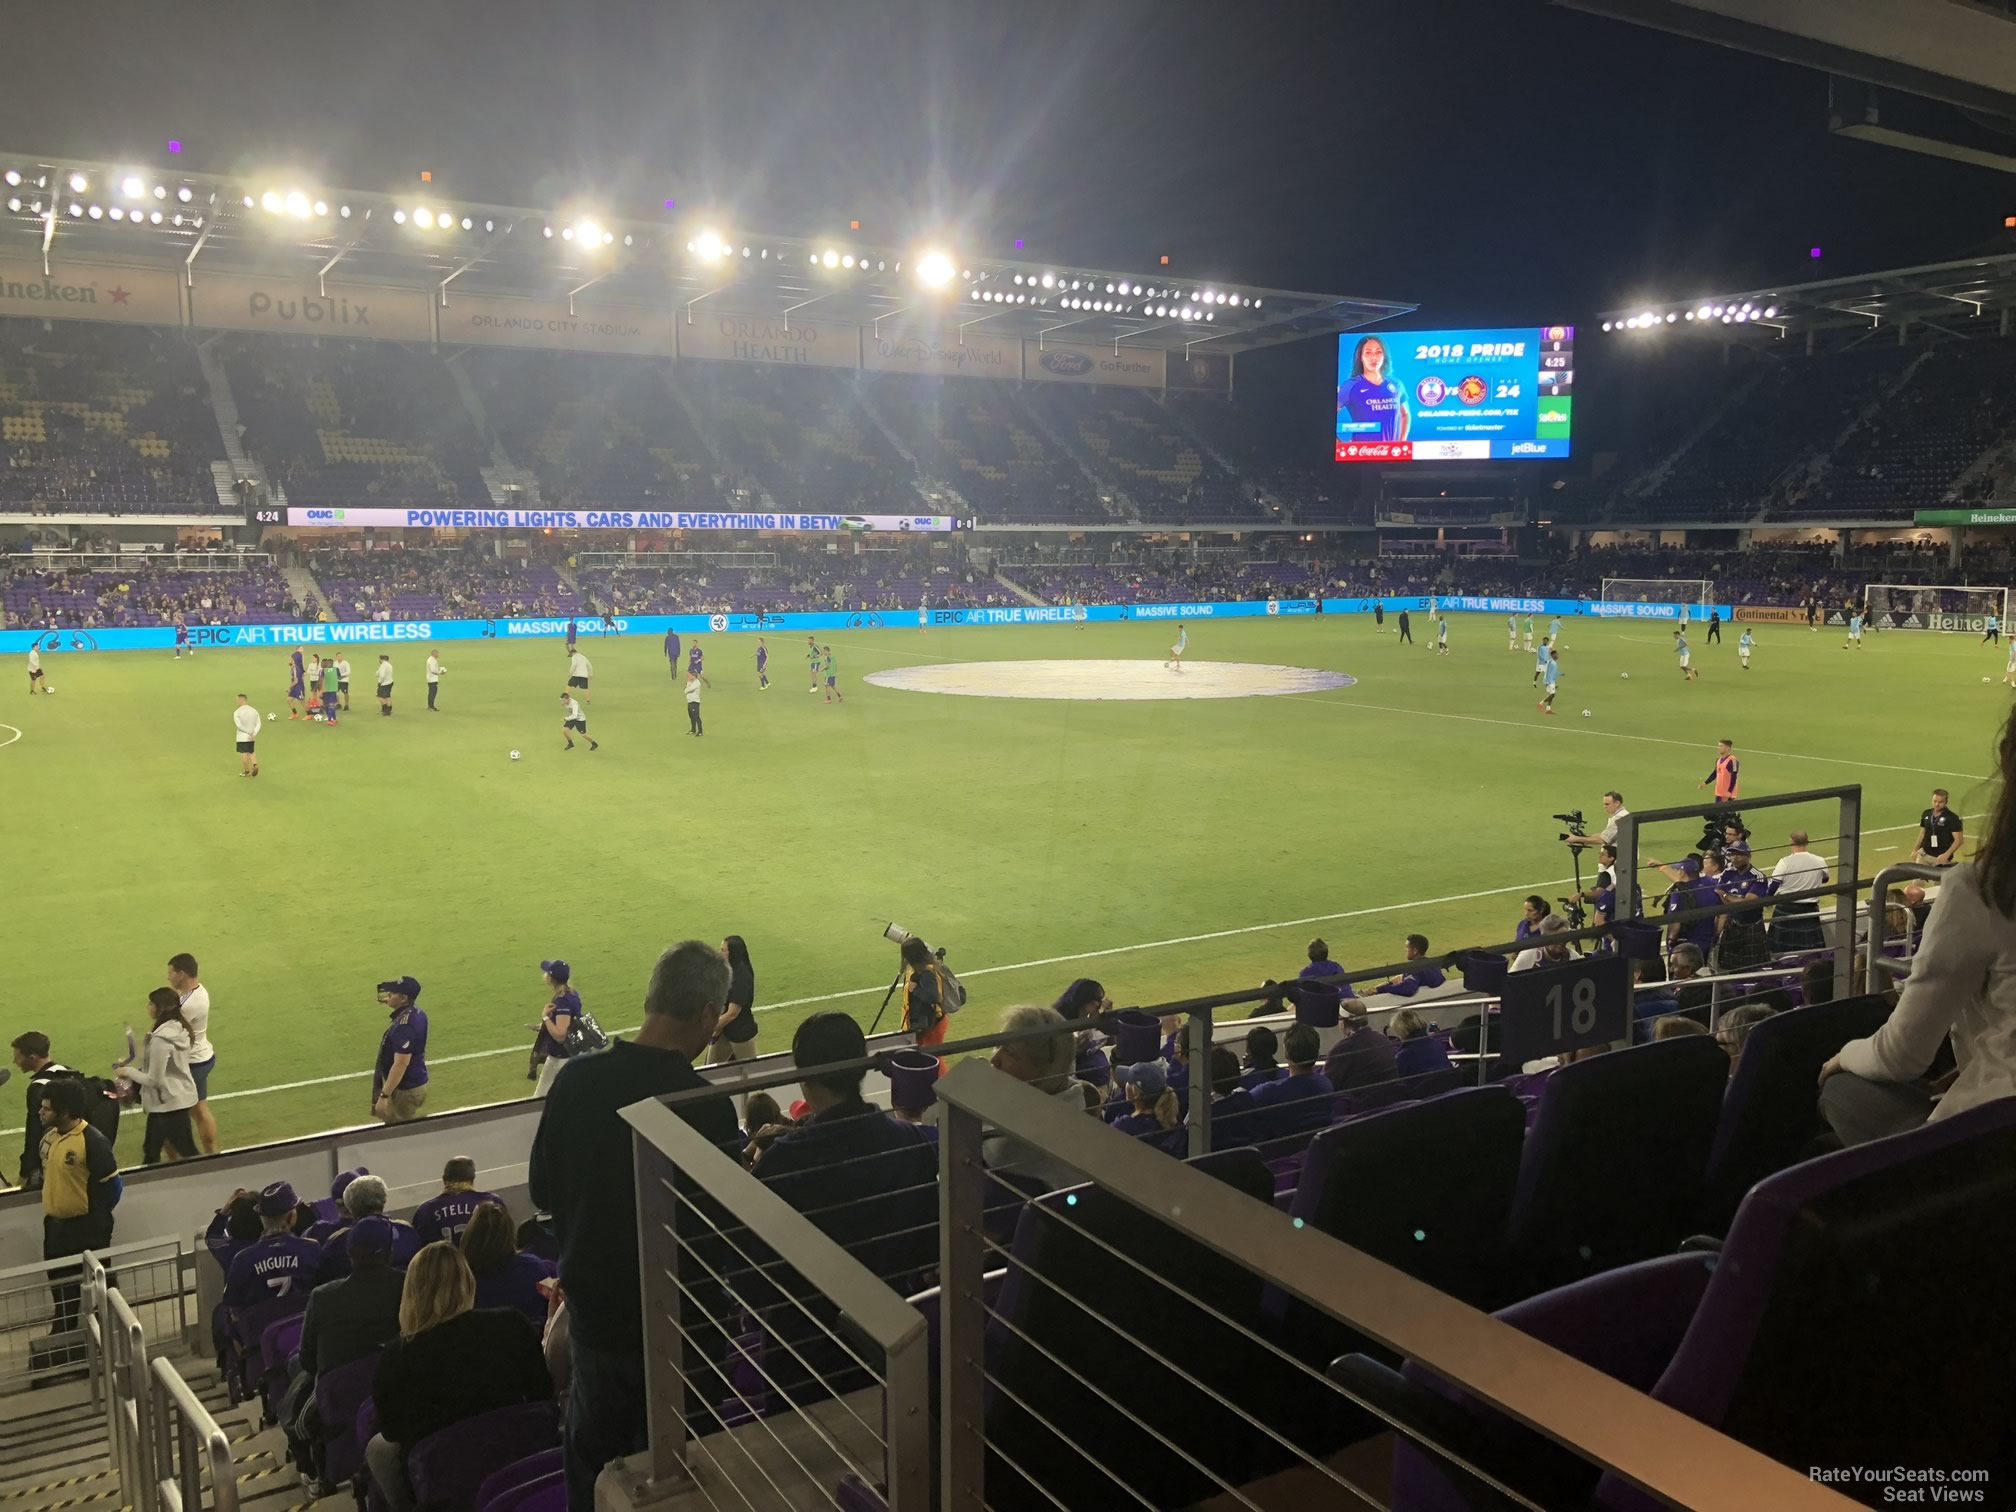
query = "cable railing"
{"x": 1015, "y": 1410}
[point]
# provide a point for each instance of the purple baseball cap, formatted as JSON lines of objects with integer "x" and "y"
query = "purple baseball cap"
{"x": 277, "y": 1200}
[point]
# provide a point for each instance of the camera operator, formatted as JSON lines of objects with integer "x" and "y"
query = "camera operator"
{"x": 924, "y": 1013}
{"x": 1613, "y": 806}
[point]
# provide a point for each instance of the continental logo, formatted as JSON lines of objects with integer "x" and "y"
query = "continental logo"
{"x": 1065, "y": 364}
{"x": 1769, "y": 614}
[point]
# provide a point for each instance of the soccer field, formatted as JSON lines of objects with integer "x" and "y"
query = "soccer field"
{"x": 1167, "y": 847}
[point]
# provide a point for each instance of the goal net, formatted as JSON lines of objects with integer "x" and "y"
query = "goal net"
{"x": 1693, "y": 595}
{"x": 1933, "y": 606}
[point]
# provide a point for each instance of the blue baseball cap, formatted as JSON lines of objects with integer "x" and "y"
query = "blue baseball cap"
{"x": 560, "y": 971}
{"x": 1148, "y": 1077}
{"x": 371, "y": 1236}
{"x": 406, "y": 987}
{"x": 344, "y": 1179}
{"x": 1691, "y": 866}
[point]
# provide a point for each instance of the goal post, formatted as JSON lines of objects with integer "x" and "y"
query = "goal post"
{"x": 1693, "y": 595}
{"x": 1951, "y": 607}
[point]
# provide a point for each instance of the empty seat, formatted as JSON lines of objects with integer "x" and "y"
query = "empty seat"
{"x": 1612, "y": 1170}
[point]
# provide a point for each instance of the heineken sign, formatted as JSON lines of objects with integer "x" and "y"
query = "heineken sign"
{"x": 1964, "y": 517}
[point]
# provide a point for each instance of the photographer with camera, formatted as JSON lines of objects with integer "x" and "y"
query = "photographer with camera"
{"x": 1613, "y": 806}
{"x": 930, "y": 992}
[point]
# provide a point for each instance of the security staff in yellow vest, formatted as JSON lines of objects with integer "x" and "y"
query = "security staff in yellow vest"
{"x": 79, "y": 1185}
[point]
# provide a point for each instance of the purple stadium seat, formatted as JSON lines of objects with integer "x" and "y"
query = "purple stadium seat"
{"x": 366, "y": 1430}
{"x": 1838, "y": 1275}
{"x": 448, "y": 1468}
{"x": 276, "y": 1344}
{"x": 1770, "y": 1115}
{"x": 507, "y": 1490}
{"x": 340, "y": 1396}
{"x": 248, "y": 1332}
{"x": 1612, "y": 1170}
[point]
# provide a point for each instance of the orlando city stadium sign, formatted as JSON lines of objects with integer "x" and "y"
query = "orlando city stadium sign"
{"x": 380, "y": 518}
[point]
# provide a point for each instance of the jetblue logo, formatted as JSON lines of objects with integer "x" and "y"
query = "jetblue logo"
{"x": 1528, "y": 449}
{"x": 1065, "y": 364}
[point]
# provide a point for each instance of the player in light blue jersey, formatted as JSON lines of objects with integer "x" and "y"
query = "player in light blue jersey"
{"x": 1687, "y": 672}
{"x": 1854, "y": 632}
{"x": 1546, "y": 705}
{"x": 1554, "y": 631}
{"x": 1441, "y": 635}
{"x": 1182, "y": 644}
{"x": 1743, "y": 644}
{"x": 1511, "y": 632}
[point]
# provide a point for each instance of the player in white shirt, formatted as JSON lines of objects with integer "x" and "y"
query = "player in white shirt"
{"x": 573, "y": 722}
{"x": 35, "y": 669}
{"x": 384, "y": 684}
{"x": 694, "y": 683}
{"x": 435, "y": 667}
{"x": 245, "y": 725}
{"x": 1743, "y": 644}
{"x": 195, "y": 998}
{"x": 1511, "y": 632}
{"x": 578, "y": 673}
{"x": 342, "y": 678}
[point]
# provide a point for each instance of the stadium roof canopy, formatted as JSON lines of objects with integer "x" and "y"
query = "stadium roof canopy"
{"x": 70, "y": 208}
{"x": 1971, "y": 296}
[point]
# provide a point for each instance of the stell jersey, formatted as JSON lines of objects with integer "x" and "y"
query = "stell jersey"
{"x": 446, "y": 1214}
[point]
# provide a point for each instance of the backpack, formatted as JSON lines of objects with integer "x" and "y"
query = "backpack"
{"x": 951, "y": 991}
{"x": 101, "y": 1109}
{"x": 584, "y": 1035}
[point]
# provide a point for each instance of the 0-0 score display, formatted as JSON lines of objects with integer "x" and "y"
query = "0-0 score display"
{"x": 1455, "y": 396}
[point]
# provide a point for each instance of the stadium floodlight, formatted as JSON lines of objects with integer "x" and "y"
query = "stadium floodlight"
{"x": 297, "y": 204}
{"x": 1671, "y": 317}
{"x": 131, "y": 187}
{"x": 321, "y": 207}
{"x": 154, "y": 217}
{"x": 566, "y": 233}
{"x": 934, "y": 270}
{"x": 177, "y": 219}
{"x": 847, "y": 259}
{"x": 1606, "y": 325}
{"x": 399, "y": 219}
{"x": 708, "y": 246}
{"x": 160, "y": 191}
{"x": 1018, "y": 278}
{"x": 587, "y": 232}
{"x": 1770, "y": 312}
{"x": 1049, "y": 280}
{"x": 424, "y": 218}
{"x": 627, "y": 240}
{"x": 1690, "y": 316}
{"x": 75, "y": 209}
{"x": 14, "y": 205}
{"x": 79, "y": 183}
{"x": 96, "y": 212}
{"x": 117, "y": 213}
{"x": 1719, "y": 310}
{"x": 185, "y": 194}
{"x": 830, "y": 258}
{"x": 271, "y": 202}
{"x": 13, "y": 177}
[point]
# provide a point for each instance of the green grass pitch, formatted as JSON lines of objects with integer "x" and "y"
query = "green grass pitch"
{"x": 1181, "y": 847}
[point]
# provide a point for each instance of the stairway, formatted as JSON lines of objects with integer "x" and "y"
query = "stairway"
{"x": 761, "y": 495}
{"x": 1017, "y": 589}
{"x": 241, "y": 463}
{"x": 1112, "y": 498}
{"x": 301, "y": 582}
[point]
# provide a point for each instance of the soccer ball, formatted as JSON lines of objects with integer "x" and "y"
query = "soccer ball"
{"x": 514, "y": 755}
{"x": 49, "y": 687}
{"x": 1627, "y": 677}
{"x": 1984, "y": 679}
{"x": 1585, "y": 713}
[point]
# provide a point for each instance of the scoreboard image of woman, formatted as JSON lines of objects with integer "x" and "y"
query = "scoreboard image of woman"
{"x": 1455, "y": 396}
{"x": 1374, "y": 401}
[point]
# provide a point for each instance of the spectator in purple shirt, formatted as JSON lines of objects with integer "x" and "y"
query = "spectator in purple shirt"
{"x": 1418, "y": 1052}
{"x": 280, "y": 1263}
{"x": 446, "y": 1214}
{"x": 1261, "y": 1045}
{"x": 1417, "y": 976}
{"x": 1233, "y": 1119}
{"x": 364, "y": 1198}
{"x": 1361, "y": 1056}
{"x": 505, "y": 1276}
{"x": 235, "y": 1226}
{"x": 1300, "y": 1101}
{"x": 1154, "y": 1117}
{"x": 1532, "y": 911}
{"x": 1320, "y": 965}
{"x": 329, "y": 1210}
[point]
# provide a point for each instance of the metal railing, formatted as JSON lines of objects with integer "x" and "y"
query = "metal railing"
{"x": 186, "y": 1442}
{"x": 45, "y": 1305}
{"x": 1883, "y": 971}
{"x": 128, "y": 1388}
{"x": 771, "y": 1354}
{"x": 1664, "y": 1452}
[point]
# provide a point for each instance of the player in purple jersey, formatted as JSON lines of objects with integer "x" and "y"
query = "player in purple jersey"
{"x": 762, "y": 663}
{"x": 297, "y": 684}
{"x": 572, "y": 632}
{"x": 182, "y": 638}
{"x": 693, "y": 658}
{"x": 672, "y": 652}
{"x": 1373, "y": 400}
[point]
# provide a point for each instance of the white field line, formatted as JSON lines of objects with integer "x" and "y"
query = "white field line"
{"x": 12, "y": 738}
{"x": 980, "y": 971}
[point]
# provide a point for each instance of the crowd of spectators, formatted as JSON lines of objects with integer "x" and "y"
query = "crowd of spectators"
{"x": 90, "y": 598}
{"x": 401, "y": 583}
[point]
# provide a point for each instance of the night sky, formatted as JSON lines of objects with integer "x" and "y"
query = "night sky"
{"x": 1499, "y": 161}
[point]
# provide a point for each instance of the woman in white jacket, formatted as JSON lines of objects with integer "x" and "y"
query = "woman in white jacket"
{"x": 167, "y": 1087}
{"x": 1962, "y": 984}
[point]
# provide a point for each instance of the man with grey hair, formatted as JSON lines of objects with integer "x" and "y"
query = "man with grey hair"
{"x": 1045, "y": 1062}
{"x": 584, "y": 1174}
{"x": 363, "y": 1198}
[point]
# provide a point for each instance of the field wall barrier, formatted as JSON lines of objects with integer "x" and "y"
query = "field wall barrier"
{"x": 381, "y": 633}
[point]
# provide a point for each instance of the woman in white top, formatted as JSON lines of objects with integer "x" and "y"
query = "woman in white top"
{"x": 1962, "y": 984}
{"x": 167, "y": 1090}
